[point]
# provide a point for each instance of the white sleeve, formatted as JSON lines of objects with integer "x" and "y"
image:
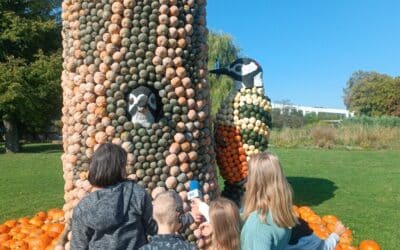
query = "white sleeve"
{"x": 204, "y": 210}
{"x": 331, "y": 242}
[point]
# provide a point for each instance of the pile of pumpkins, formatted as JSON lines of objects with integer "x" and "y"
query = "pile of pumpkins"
{"x": 110, "y": 49}
{"x": 40, "y": 232}
{"x": 325, "y": 225}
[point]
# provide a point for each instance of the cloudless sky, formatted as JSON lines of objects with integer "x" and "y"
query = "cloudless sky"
{"x": 309, "y": 48}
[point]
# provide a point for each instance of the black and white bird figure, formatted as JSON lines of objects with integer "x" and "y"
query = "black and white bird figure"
{"x": 242, "y": 124}
{"x": 246, "y": 73}
{"x": 144, "y": 106}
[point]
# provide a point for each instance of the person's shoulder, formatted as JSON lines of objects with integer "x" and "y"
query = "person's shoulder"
{"x": 85, "y": 203}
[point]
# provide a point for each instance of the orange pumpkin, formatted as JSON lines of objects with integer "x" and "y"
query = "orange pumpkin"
{"x": 55, "y": 229}
{"x": 41, "y": 215}
{"x": 369, "y": 245}
{"x": 4, "y": 237}
{"x": 36, "y": 221}
{"x": 55, "y": 214}
{"x": 4, "y": 229}
{"x": 10, "y": 223}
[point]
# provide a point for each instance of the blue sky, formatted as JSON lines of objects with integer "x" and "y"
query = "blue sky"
{"x": 309, "y": 48}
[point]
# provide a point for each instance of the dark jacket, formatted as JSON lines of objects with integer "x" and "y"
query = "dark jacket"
{"x": 116, "y": 217}
{"x": 168, "y": 242}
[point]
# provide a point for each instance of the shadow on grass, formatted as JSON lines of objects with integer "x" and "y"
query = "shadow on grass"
{"x": 41, "y": 148}
{"x": 312, "y": 191}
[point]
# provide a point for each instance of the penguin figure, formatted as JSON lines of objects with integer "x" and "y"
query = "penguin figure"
{"x": 242, "y": 124}
{"x": 144, "y": 106}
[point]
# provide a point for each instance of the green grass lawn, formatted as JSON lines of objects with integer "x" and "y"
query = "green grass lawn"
{"x": 362, "y": 188}
{"x": 30, "y": 181}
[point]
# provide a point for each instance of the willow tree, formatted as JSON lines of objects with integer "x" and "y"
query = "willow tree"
{"x": 221, "y": 50}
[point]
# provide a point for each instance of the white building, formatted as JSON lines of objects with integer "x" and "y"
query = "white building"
{"x": 315, "y": 110}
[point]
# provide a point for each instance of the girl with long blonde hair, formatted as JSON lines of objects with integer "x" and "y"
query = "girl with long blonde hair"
{"x": 224, "y": 226}
{"x": 267, "y": 207}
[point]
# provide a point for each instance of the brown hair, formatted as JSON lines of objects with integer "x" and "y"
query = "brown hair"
{"x": 225, "y": 222}
{"x": 267, "y": 190}
{"x": 107, "y": 167}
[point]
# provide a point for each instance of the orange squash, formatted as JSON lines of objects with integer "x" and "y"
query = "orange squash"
{"x": 369, "y": 245}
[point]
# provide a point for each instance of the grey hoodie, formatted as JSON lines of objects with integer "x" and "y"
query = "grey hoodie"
{"x": 116, "y": 217}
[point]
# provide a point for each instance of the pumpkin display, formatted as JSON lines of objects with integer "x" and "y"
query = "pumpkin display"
{"x": 242, "y": 124}
{"x": 39, "y": 232}
{"x": 135, "y": 74}
{"x": 325, "y": 225}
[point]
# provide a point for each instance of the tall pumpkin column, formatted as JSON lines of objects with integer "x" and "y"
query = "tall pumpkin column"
{"x": 117, "y": 52}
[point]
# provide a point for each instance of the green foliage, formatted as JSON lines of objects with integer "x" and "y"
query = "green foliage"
{"x": 30, "y": 65}
{"x": 27, "y": 27}
{"x": 292, "y": 118}
{"x": 287, "y": 118}
{"x": 384, "y": 121}
{"x": 30, "y": 94}
{"x": 373, "y": 94}
{"x": 221, "y": 47}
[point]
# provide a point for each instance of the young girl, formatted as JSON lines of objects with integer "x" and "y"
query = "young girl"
{"x": 119, "y": 214}
{"x": 267, "y": 208}
{"x": 224, "y": 226}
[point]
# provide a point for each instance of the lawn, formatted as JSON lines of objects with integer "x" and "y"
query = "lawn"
{"x": 360, "y": 187}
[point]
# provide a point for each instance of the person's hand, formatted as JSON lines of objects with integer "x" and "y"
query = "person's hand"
{"x": 339, "y": 228}
{"x": 195, "y": 212}
{"x": 205, "y": 229}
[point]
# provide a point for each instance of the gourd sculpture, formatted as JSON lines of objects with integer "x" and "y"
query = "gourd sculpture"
{"x": 135, "y": 74}
{"x": 242, "y": 124}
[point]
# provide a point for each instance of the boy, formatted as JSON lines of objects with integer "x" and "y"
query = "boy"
{"x": 167, "y": 209}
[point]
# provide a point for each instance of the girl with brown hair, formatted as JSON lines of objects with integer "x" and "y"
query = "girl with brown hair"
{"x": 224, "y": 226}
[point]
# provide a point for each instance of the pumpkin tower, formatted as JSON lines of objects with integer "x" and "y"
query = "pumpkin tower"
{"x": 135, "y": 74}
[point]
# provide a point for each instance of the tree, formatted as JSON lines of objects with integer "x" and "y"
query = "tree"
{"x": 30, "y": 66}
{"x": 221, "y": 48}
{"x": 372, "y": 94}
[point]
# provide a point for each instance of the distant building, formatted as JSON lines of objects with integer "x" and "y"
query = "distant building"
{"x": 315, "y": 110}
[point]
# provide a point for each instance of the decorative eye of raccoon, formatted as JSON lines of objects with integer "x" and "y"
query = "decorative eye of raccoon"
{"x": 152, "y": 102}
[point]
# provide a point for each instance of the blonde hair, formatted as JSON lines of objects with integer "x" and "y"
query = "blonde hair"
{"x": 165, "y": 208}
{"x": 267, "y": 190}
{"x": 225, "y": 222}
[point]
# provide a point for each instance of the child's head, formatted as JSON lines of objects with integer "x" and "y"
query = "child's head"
{"x": 268, "y": 189}
{"x": 107, "y": 166}
{"x": 167, "y": 207}
{"x": 225, "y": 223}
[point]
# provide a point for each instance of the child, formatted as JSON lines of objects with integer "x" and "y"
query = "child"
{"x": 167, "y": 211}
{"x": 303, "y": 238}
{"x": 119, "y": 214}
{"x": 224, "y": 225}
{"x": 267, "y": 208}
